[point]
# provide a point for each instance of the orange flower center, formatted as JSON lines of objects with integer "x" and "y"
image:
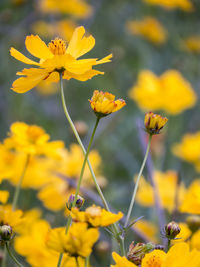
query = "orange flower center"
{"x": 57, "y": 47}
{"x": 153, "y": 261}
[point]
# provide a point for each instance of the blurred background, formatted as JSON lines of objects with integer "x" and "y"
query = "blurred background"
{"x": 155, "y": 67}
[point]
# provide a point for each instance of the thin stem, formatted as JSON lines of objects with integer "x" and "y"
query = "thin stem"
{"x": 18, "y": 188}
{"x": 81, "y": 144}
{"x": 137, "y": 183}
{"x": 168, "y": 244}
{"x": 77, "y": 263}
{"x": 60, "y": 259}
{"x": 12, "y": 256}
{"x": 87, "y": 260}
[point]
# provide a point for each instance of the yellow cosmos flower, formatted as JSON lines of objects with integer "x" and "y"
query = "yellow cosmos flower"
{"x": 95, "y": 216}
{"x": 104, "y": 104}
{"x": 189, "y": 149}
{"x": 4, "y": 195}
{"x": 121, "y": 261}
{"x": 10, "y": 217}
{"x": 154, "y": 259}
{"x": 192, "y": 44}
{"x": 191, "y": 201}
{"x": 166, "y": 183}
{"x": 185, "y": 5}
{"x": 32, "y": 140}
{"x": 149, "y": 28}
{"x": 169, "y": 92}
{"x": 78, "y": 8}
{"x": 55, "y": 58}
{"x": 77, "y": 242}
{"x": 154, "y": 123}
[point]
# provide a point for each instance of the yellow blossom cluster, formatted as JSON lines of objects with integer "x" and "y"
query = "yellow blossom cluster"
{"x": 192, "y": 44}
{"x": 169, "y": 92}
{"x": 185, "y": 5}
{"x": 149, "y": 28}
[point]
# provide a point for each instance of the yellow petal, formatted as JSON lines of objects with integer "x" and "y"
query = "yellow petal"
{"x": 80, "y": 66}
{"x": 79, "y": 44}
{"x": 104, "y": 60}
{"x": 19, "y": 56}
{"x": 37, "y": 47}
{"x": 25, "y": 84}
{"x": 81, "y": 77}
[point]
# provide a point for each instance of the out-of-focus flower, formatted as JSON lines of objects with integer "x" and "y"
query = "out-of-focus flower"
{"x": 121, "y": 261}
{"x": 148, "y": 229}
{"x": 10, "y": 217}
{"x": 104, "y": 104}
{"x": 193, "y": 222}
{"x": 4, "y": 195}
{"x": 166, "y": 184}
{"x": 77, "y": 242}
{"x": 192, "y": 44}
{"x": 169, "y": 92}
{"x": 45, "y": 88}
{"x": 185, "y": 5}
{"x": 149, "y": 28}
{"x": 154, "y": 123}
{"x": 32, "y": 140}
{"x": 95, "y": 216}
{"x": 78, "y": 8}
{"x": 56, "y": 58}
{"x": 81, "y": 127}
{"x": 172, "y": 229}
{"x": 195, "y": 240}
{"x": 191, "y": 201}
{"x": 184, "y": 234}
{"x": 189, "y": 149}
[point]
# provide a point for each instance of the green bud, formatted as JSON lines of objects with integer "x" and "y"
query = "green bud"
{"x": 5, "y": 232}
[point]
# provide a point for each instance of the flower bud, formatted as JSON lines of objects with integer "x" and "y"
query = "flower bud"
{"x": 172, "y": 229}
{"x": 5, "y": 232}
{"x": 79, "y": 202}
{"x": 193, "y": 222}
{"x": 154, "y": 123}
{"x": 137, "y": 251}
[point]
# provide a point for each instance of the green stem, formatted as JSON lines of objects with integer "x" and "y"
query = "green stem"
{"x": 168, "y": 244}
{"x": 81, "y": 144}
{"x": 12, "y": 256}
{"x": 87, "y": 261}
{"x": 77, "y": 263}
{"x": 18, "y": 188}
{"x": 137, "y": 183}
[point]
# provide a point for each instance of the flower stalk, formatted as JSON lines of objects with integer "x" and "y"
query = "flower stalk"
{"x": 12, "y": 256}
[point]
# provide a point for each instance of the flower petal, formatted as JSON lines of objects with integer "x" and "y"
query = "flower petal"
{"x": 104, "y": 60}
{"x": 19, "y": 56}
{"x": 37, "y": 47}
{"x": 79, "y": 44}
{"x": 81, "y": 77}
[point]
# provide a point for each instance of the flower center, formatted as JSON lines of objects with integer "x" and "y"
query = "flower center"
{"x": 57, "y": 47}
{"x": 154, "y": 261}
{"x": 93, "y": 211}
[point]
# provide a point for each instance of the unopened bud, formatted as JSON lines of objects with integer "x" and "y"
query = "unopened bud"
{"x": 79, "y": 202}
{"x": 154, "y": 123}
{"x": 5, "y": 232}
{"x": 193, "y": 222}
{"x": 137, "y": 251}
{"x": 172, "y": 229}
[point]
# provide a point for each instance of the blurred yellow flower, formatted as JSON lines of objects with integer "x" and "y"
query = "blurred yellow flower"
{"x": 169, "y": 92}
{"x": 149, "y": 28}
{"x": 95, "y": 216}
{"x": 32, "y": 140}
{"x": 195, "y": 240}
{"x": 104, "y": 104}
{"x": 46, "y": 88}
{"x": 154, "y": 123}
{"x": 10, "y": 217}
{"x": 189, "y": 149}
{"x": 166, "y": 183}
{"x": 77, "y": 242}
{"x": 121, "y": 261}
{"x": 77, "y": 8}
{"x": 148, "y": 229}
{"x": 4, "y": 195}
{"x": 56, "y": 58}
{"x": 192, "y": 44}
{"x": 191, "y": 201}
{"x": 185, "y": 5}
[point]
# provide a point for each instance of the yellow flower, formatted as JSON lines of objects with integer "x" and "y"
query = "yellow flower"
{"x": 154, "y": 259}
{"x": 195, "y": 240}
{"x": 192, "y": 44}
{"x": 154, "y": 123}
{"x": 32, "y": 140}
{"x": 95, "y": 216}
{"x": 150, "y": 28}
{"x": 169, "y": 92}
{"x": 77, "y": 242}
{"x": 189, "y": 149}
{"x": 185, "y": 5}
{"x": 55, "y": 58}
{"x": 121, "y": 261}
{"x": 10, "y": 217}
{"x": 4, "y": 195}
{"x": 191, "y": 201}
{"x": 78, "y": 8}
{"x": 166, "y": 183}
{"x": 104, "y": 104}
